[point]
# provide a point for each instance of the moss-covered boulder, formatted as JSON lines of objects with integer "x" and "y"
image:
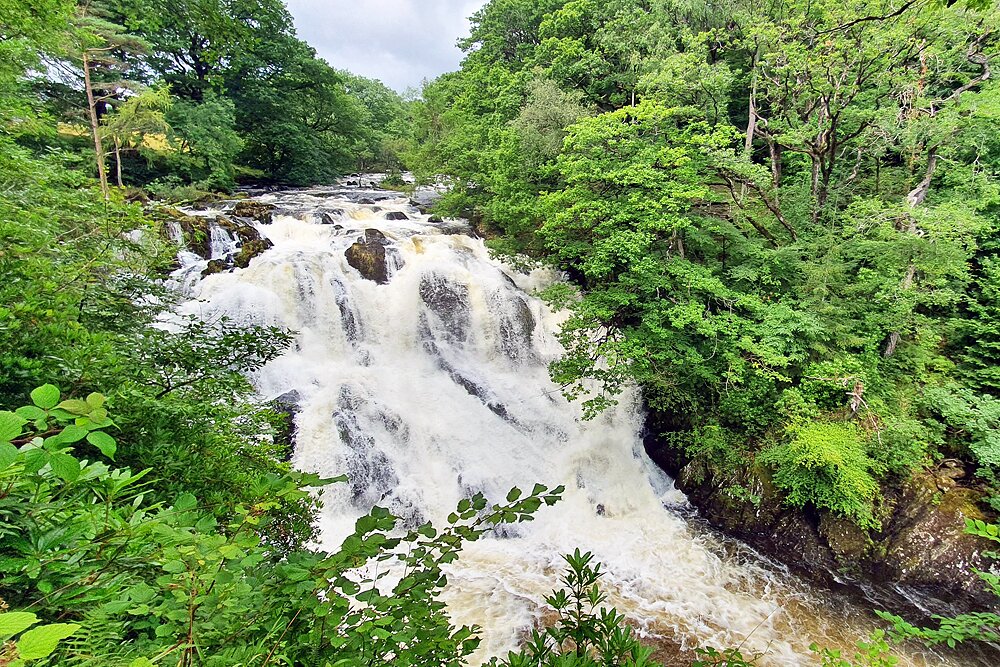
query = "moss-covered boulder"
{"x": 367, "y": 256}
{"x": 256, "y": 210}
{"x": 251, "y": 249}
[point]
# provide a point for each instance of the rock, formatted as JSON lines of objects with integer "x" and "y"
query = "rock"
{"x": 259, "y": 211}
{"x": 287, "y": 406}
{"x": 367, "y": 201}
{"x": 927, "y": 547}
{"x": 921, "y": 549}
{"x": 215, "y": 266}
{"x": 449, "y": 301}
{"x": 435, "y": 218}
{"x": 251, "y": 249}
{"x": 516, "y": 331}
{"x": 368, "y": 256}
{"x": 330, "y": 216}
{"x": 396, "y": 215}
{"x": 197, "y": 237}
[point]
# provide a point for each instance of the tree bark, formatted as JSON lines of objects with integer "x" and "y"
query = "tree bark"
{"x": 95, "y": 127}
{"x": 118, "y": 164}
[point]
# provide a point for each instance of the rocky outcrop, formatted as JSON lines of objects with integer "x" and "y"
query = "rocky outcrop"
{"x": 287, "y": 406}
{"x": 256, "y": 210}
{"x": 921, "y": 550}
{"x": 396, "y": 215}
{"x": 449, "y": 301}
{"x": 251, "y": 249}
{"x": 330, "y": 216}
{"x": 367, "y": 256}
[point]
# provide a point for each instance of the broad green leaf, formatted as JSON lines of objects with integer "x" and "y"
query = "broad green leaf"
{"x": 40, "y": 642}
{"x": 65, "y": 466}
{"x": 10, "y": 425}
{"x": 31, "y": 412}
{"x": 95, "y": 400}
{"x": 14, "y": 622}
{"x": 46, "y": 396}
{"x": 141, "y": 662}
{"x": 8, "y": 454}
{"x": 75, "y": 406}
{"x": 103, "y": 442}
{"x": 72, "y": 433}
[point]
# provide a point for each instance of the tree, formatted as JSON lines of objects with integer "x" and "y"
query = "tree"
{"x": 141, "y": 114}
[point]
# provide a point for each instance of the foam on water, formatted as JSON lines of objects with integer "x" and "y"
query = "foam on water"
{"x": 434, "y": 386}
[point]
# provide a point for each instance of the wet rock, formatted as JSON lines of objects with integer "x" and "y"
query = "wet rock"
{"x": 197, "y": 237}
{"x": 216, "y": 266}
{"x": 367, "y": 256}
{"x": 921, "y": 549}
{"x": 259, "y": 211}
{"x": 516, "y": 330}
{"x": 330, "y": 216}
{"x": 449, "y": 301}
{"x": 287, "y": 406}
{"x": 367, "y": 201}
{"x": 396, "y": 215}
{"x": 251, "y": 249}
{"x": 435, "y": 218}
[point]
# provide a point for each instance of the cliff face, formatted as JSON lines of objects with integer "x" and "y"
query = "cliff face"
{"x": 921, "y": 553}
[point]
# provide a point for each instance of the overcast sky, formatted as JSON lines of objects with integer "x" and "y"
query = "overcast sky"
{"x": 400, "y": 42}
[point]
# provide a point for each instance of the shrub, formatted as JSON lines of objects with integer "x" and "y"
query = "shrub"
{"x": 826, "y": 464}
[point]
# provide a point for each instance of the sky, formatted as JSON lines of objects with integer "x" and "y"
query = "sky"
{"x": 400, "y": 42}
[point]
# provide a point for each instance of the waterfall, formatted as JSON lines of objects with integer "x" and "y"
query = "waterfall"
{"x": 434, "y": 386}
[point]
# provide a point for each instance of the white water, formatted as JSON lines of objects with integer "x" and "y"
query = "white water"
{"x": 434, "y": 386}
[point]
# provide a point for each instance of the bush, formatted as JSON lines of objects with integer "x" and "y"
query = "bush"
{"x": 826, "y": 464}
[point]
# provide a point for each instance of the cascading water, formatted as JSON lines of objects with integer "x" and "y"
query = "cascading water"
{"x": 433, "y": 386}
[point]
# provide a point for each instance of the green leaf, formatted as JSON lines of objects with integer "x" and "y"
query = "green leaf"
{"x": 10, "y": 425}
{"x": 41, "y": 641}
{"x": 72, "y": 433}
{"x": 185, "y": 501}
{"x": 46, "y": 396}
{"x": 65, "y": 466}
{"x": 75, "y": 406}
{"x": 8, "y": 454}
{"x": 14, "y": 622}
{"x": 95, "y": 400}
{"x": 141, "y": 662}
{"x": 103, "y": 442}
{"x": 513, "y": 494}
{"x": 31, "y": 412}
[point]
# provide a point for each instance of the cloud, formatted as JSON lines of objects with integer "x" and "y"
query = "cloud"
{"x": 400, "y": 42}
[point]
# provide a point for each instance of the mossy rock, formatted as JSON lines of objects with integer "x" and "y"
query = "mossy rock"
{"x": 367, "y": 256}
{"x": 257, "y": 210}
{"x": 251, "y": 249}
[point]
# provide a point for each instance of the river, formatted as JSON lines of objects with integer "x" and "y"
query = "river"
{"x": 433, "y": 386}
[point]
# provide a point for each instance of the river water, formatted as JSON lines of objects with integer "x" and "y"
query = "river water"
{"x": 433, "y": 386}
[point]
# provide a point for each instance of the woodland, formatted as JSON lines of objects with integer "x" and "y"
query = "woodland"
{"x": 780, "y": 220}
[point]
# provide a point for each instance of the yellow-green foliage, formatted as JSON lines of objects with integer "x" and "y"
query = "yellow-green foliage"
{"x": 826, "y": 464}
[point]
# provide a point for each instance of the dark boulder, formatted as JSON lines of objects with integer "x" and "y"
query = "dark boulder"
{"x": 330, "y": 216}
{"x": 287, "y": 407}
{"x": 921, "y": 549}
{"x": 216, "y": 266}
{"x": 435, "y": 218}
{"x": 396, "y": 215}
{"x": 449, "y": 301}
{"x": 367, "y": 256}
{"x": 197, "y": 237}
{"x": 259, "y": 211}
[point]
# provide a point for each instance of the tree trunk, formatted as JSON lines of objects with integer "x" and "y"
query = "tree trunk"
{"x": 95, "y": 126}
{"x": 118, "y": 163}
{"x": 914, "y": 199}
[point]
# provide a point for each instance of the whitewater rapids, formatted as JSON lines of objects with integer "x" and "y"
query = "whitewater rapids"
{"x": 434, "y": 386}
